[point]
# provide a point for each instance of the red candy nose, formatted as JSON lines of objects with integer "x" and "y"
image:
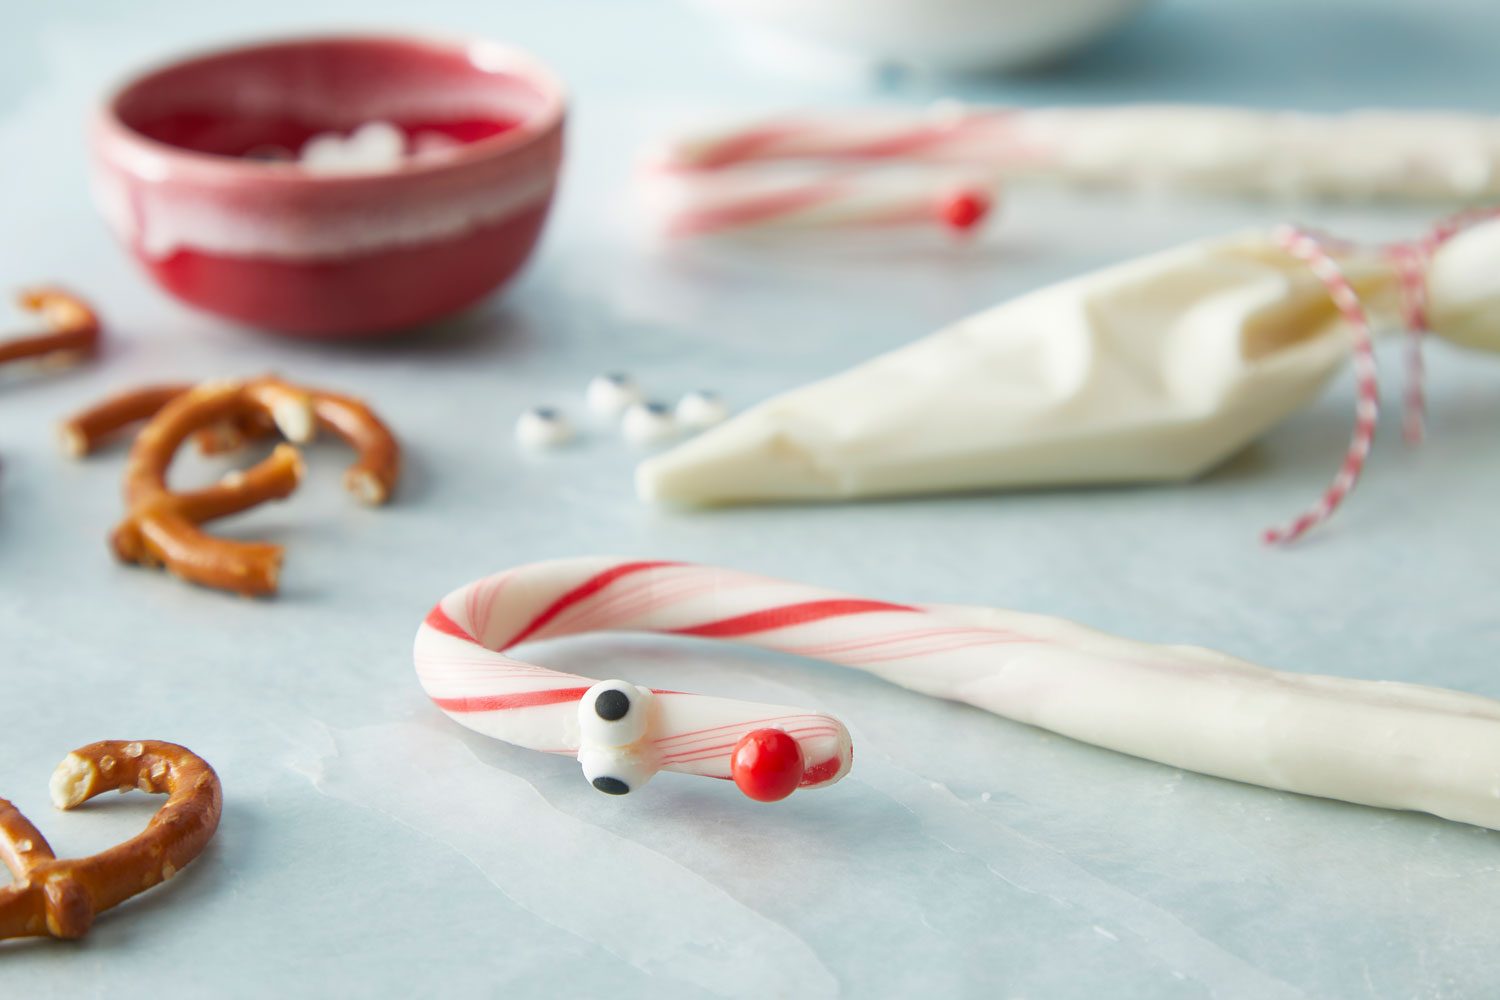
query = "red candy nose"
{"x": 767, "y": 765}
{"x": 963, "y": 210}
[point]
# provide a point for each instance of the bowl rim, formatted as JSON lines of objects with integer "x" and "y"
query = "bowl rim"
{"x": 158, "y": 158}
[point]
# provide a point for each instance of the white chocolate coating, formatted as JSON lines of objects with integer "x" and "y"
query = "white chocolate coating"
{"x": 1154, "y": 369}
{"x": 1392, "y": 745}
{"x": 1360, "y": 155}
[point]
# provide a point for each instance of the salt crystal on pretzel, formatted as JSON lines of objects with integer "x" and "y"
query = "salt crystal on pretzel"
{"x": 1395, "y": 746}
{"x": 1156, "y": 369}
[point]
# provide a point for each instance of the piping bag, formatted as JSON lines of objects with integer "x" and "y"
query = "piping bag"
{"x": 1153, "y": 370}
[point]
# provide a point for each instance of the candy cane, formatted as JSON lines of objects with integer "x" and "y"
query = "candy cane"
{"x": 1385, "y": 744}
{"x": 695, "y": 205}
{"x": 947, "y": 132}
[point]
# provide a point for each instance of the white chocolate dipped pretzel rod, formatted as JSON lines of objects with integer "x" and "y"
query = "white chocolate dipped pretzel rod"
{"x": 1358, "y": 155}
{"x": 1386, "y": 744}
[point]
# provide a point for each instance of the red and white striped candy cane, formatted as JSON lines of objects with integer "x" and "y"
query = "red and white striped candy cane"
{"x": 944, "y": 133}
{"x": 742, "y": 202}
{"x": 1397, "y": 746}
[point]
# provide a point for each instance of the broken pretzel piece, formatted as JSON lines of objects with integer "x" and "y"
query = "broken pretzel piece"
{"x": 73, "y": 328}
{"x": 60, "y": 897}
{"x": 162, "y": 527}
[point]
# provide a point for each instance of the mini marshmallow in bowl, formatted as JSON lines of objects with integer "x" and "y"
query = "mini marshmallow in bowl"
{"x": 648, "y": 423}
{"x": 701, "y": 410}
{"x": 374, "y": 147}
{"x": 542, "y": 427}
{"x": 610, "y": 395}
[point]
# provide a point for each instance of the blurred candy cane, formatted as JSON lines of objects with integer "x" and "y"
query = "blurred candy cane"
{"x": 946, "y": 133}
{"x": 742, "y": 202}
{"x": 1397, "y": 746}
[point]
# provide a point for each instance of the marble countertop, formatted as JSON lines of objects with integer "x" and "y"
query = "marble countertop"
{"x": 371, "y": 847}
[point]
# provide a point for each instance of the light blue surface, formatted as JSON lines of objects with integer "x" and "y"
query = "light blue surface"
{"x": 369, "y": 847}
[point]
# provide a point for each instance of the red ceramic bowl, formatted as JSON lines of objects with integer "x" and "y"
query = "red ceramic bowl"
{"x": 332, "y": 254}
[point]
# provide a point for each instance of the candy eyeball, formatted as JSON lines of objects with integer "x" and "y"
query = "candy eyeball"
{"x": 612, "y": 394}
{"x": 614, "y": 770}
{"x": 648, "y": 424}
{"x": 701, "y": 410}
{"x": 613, "y": 717}
{"x": 543, "y": 427}
{"x": 613, "y": 714}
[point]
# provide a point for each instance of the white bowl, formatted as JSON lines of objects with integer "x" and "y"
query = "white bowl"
{"x": 950, "y": 35}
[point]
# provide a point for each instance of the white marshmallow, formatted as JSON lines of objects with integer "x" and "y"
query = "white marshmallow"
{"x": 371, "y": 148}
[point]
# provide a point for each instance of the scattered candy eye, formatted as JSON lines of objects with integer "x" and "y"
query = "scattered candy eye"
{"x": 767, "y": 765}
{"x": 612, "y": 394}
{"x": 370, "y": 148}
{"x": 612, "y": 720}
{"x": 649, "y": 423}
{"x": 543, "y": 427}
{"x": 701, "y": 410}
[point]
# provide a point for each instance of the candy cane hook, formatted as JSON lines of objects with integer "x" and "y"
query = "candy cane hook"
{"x": 1397, "y": 746}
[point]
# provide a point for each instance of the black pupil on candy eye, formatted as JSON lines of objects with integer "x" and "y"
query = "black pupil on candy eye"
{"x": 611, "y": 786}
{"x": 611, "y": 706}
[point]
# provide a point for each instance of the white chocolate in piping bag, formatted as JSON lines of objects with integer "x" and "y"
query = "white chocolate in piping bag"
{"x": 1156, "y": 369}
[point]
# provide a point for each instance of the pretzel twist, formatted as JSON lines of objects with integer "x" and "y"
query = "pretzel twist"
{"x": 162, "y": 527}
{"x": 73, "y": 328}
{"x": 60, "y": 897}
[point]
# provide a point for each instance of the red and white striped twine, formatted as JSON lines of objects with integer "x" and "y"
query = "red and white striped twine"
{"x": 1311, "y": 251}
{"x": 1411, "y": 260}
